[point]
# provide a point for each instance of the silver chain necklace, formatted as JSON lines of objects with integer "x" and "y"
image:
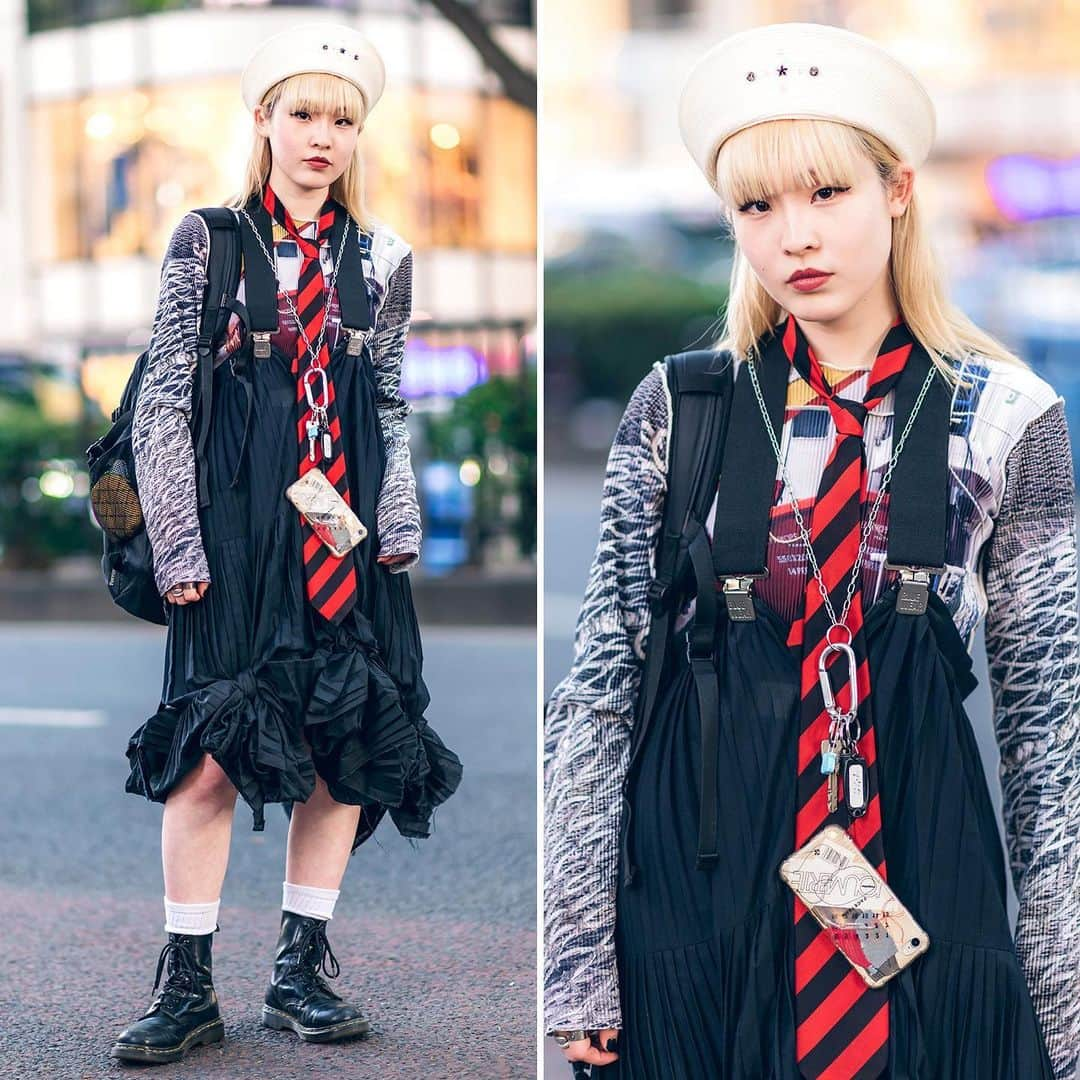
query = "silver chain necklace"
{"x": 313, "y": 353}
{"x": 319, "y": 424}
{"x": 869, "y": 526}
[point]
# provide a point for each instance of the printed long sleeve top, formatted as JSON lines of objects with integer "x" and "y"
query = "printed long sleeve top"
{"x": 1011, "y": 560}
{"x": 161, "y": 432}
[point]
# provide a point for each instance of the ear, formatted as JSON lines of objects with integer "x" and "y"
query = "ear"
{"x": 901, "y": 190}
{"x": 262, "y": 121}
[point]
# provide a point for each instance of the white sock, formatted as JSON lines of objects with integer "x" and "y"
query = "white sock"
{"x": 191, "y": 918}
{"x": 308, "y": 900}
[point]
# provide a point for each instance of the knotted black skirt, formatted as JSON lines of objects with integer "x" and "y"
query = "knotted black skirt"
{"x": 253, "y": 675}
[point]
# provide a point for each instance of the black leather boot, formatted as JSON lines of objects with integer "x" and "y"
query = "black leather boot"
{"x": 297, "y": 998}
{"x": 184, "y": 1014}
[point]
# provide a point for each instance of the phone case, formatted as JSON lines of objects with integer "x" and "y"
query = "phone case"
{"x": 855, "y": 906}
{"x": 329, "y": 516}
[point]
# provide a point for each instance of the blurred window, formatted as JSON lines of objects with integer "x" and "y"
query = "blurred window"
{"x": 455, "y": 169}
{"x": 53, "y": 14}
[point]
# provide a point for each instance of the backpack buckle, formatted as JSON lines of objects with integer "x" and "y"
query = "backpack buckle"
{"x": 656, "y": 593}
{"x": 914, "y": 593}
{"x": 737, "y": 596}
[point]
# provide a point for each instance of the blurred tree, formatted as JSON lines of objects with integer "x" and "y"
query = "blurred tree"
{"x": 603, "y": 331}
{"x": 33, "y": 533}
{"x": 495, "y": 422}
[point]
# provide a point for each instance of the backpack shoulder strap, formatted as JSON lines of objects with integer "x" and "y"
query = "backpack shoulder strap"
{"x": 700, "y": 384}
{"x": 222, "y": 277}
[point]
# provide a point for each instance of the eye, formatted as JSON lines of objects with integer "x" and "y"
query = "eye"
{"x": 763, "y": 205}
{"x": 346, "y": 119}
{"x": 300, "y": 113}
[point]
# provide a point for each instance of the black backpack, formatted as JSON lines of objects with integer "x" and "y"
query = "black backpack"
{"x": 127, "y": 561}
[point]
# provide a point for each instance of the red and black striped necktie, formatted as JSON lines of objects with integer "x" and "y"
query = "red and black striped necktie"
{"x": 843, "y": 1024}
{"x": 331, "y": 582}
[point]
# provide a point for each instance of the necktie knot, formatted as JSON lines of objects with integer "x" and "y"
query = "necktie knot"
{"x": 849, "y": 416}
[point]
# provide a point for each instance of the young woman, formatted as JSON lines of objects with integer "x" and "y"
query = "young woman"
{"x": 292, "y": 671}
{"x": 694, "y": 958}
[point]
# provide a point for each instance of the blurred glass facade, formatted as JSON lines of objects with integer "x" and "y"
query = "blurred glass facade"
{"x": 124, "y": 114}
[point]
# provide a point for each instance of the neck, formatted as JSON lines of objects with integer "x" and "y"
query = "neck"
{"x": 851, "y": 342}
{"x": 302, "y": 203}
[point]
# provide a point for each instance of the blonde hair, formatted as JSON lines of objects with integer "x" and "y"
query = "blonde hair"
{"x": 778, "y": 155}
{"x": 313, "y": 91}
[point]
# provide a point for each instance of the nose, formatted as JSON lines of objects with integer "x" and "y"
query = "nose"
{"x": 798, "y": 233}
{"x": 320, "y": 132}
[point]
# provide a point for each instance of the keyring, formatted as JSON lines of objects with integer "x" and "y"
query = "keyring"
{"x": 838, "y": 626}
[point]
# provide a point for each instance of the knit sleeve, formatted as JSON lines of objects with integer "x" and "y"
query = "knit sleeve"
{"x": 398, "y": 510}
{"x": 161, "y": 432}
{"x": 588, "y": 723}
{"x": 1030, "y": 574}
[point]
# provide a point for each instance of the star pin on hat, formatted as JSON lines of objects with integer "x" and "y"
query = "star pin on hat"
{"x": 803, "y": 70}
{"x": 323, "y": 46}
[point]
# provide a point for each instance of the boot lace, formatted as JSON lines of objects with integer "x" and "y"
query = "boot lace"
{"x": 314, "y": 946}
{"x": 182, "y": 980}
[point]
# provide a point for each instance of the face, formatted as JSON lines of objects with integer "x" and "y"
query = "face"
{"x": 845, "y": 232}
{"x": 297, "y": 136}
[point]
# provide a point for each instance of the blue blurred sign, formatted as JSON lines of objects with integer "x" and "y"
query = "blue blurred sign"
{"x": 1025, "y": 187}
{"x": 448, "y": 505}
{"x": 441, "y": 370}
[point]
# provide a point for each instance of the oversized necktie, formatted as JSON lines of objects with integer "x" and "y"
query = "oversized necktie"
{"x": 331, "y": 581}
{"x": 843, "y": 1024}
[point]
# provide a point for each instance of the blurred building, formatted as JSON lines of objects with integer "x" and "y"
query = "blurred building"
{"x": 117, "y": 116}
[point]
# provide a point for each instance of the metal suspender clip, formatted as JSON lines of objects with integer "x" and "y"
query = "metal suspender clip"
{"x": 356, "y": 340}
{"x": 736, "y": 590}
{"x": 262, "y": 343}
{"x": 914, "y": 591}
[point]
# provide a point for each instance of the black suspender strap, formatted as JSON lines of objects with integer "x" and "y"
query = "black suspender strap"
{"x": 918, "y": 504}
{"x": 351, "y": 290}
{"x": 747, "y": 485}
{"x": 260, "y": 282}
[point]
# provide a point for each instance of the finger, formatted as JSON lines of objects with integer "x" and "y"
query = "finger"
{"x": 599, "y": 1057}
{"x": 203, "y": 586}
{"x": 191, "y": 594}
{"x": 609, "y": 1035}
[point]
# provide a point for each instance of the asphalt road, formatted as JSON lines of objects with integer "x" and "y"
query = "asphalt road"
{"x": 436, "y": 942}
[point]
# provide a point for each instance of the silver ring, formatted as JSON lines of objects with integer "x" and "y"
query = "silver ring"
{"x": 177, "y": 590}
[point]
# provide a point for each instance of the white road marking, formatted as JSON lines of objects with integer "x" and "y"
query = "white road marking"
{"x": 69, "y": 718}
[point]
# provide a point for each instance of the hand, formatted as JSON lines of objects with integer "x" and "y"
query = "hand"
{"x": 193, "y": 591}
{"x": 586, "y": 1049}
{"x": 394, "y": 560}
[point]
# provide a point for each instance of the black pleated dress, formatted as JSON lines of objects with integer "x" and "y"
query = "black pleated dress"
{"x": 251, "y": 670}
{"x": 706, "y": 958}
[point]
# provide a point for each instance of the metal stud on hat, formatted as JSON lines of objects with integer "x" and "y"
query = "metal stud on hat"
{"x": 311, "y": 47}
{"x": 803, "y": 70}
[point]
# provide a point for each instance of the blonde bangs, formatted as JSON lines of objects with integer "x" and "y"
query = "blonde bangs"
{"x": 781, "y": 155}
{"x": 318, "y": 92}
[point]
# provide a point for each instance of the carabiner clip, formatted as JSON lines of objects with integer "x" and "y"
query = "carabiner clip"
{"x": 321, "y": 373}
{"x": 826, "y": 684}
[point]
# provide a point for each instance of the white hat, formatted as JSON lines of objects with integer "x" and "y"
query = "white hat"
{"x": 803, "y": 70}
{"x": 323, "y": 46}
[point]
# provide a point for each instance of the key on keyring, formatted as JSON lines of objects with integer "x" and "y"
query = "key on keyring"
{"x": 856, "y": 785}
{"x": 312, "y": 428}
{"x": 327, "y": 443}
{"x": 833, "y": 796}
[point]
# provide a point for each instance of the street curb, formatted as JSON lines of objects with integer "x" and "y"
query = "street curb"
{"x": 465, "y": 599}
